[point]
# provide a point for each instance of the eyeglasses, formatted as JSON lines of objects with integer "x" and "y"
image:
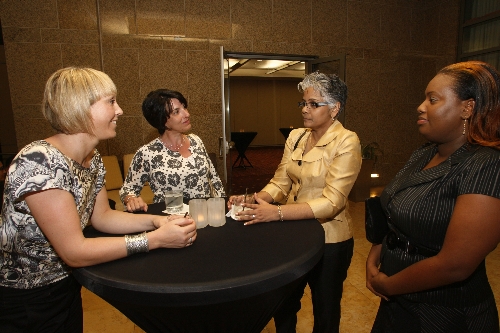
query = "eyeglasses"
{"x": 311, "y": 105}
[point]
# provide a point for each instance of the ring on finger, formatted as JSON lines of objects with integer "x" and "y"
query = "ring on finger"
{"x": 253, "y": 216}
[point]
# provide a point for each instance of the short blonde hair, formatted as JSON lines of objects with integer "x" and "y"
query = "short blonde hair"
{"x": 69, "y": 94}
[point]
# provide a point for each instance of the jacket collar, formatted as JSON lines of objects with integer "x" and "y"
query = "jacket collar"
{"x": 415, "y": 175}
{"x": 317, "y": 151}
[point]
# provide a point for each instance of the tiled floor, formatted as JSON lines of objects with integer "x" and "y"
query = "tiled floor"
{"x": 359, "y": 306}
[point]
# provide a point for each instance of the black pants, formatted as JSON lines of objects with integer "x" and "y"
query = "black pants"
{"x": 53, "y": 308}
{"x": 326, "y": 281}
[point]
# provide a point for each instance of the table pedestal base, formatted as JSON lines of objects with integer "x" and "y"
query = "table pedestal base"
{"x": 250, "y": 315}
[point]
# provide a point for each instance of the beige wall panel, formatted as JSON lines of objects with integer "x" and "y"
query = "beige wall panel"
{"x": 362, "y": 83}
{"x": 395, "y": 28}
{"x": 160, "y": 17}
{"x": 81, "y": 55}
{"x": 29, "y": 66}
{"x": 289, "y": 17}
{"x": 363, "y": 24}
{"x": 181, "y": 43}
{"x": 131, "y": 42}
{"x": 416, "y": 81}
{"x": 430, "y": 30}
{"x": 266, "y": 46}
{"x": 204, "y": 75}
{"x": 394, "y": 81}
{"x": 29, "y": 13}
{"x": 334, "y": 12}
{"x": 130, "y": 109}
{"x": 8, "y": 140}
{"x": 199, "y": 108}
{"x": 128, "y": 138}
{"x": 149, "y": 133}
{"x": 208, "y": 19}
{"x": 122, "y": 65}
{"x": 28, "y": 111}
{"x": 252, "y": 19}
{"x": 162, "y": 69}
{"x": 448, "y": 27}
{"x": 117, "y": 16}
{"x": 209, "y": 128}
{"x": 79, "y": 14}
{"x": 233, "y": 45}
{"x": 70, "y": 36}
{"x": 29, "y": 130}
{"x": 21, "y": 35}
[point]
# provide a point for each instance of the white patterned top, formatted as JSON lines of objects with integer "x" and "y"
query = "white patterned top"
{"x": 27, "y": 259}
{"x": 166, "y": 170}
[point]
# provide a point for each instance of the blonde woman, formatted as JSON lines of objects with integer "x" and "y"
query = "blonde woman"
{"x": 54, "y": 188}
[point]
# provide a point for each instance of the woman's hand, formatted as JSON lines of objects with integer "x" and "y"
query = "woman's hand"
{"x": 375, "y": 278}
{"x": 134, "y": 204}
{"x": 262, "y": 211}
{"x": 173, "y": 232}
{"x": 240, "y": 199}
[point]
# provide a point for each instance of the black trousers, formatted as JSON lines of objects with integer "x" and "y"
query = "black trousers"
{"x": 53, "y": 308}
{"x": 326, "y": 281}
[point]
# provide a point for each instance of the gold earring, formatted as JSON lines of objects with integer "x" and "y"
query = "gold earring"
{"x": 465, "y": 123}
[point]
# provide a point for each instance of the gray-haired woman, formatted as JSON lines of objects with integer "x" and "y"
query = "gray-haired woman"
{"x": 319, "y": 167}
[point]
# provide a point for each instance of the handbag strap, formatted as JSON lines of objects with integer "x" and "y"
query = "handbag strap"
{"x": 298, "y": 140}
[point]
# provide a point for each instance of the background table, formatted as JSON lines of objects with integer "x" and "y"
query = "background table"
{"x": 241, "y": 141}
{"x": 232, "y": 279}
{"x": 286, "y": 131}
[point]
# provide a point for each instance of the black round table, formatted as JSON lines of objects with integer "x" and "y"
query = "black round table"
{"x": 232, "y": 279}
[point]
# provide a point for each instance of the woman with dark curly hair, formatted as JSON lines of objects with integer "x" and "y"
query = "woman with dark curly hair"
{"x": 173, "y": 161}
{"x": 443, "y": 210}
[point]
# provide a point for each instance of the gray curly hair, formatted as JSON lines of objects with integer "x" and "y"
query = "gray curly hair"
{"x": 329, "y": 86}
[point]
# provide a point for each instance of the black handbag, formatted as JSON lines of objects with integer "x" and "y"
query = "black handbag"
{"x": 376, "y": 225}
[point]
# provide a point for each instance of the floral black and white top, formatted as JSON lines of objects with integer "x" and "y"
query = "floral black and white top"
{"x": 166, "y": 170}
{"x": 27, "y": 260}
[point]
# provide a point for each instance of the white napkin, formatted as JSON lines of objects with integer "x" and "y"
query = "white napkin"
{"x": 232, "y": 212}
{"x": 184, "y": 210}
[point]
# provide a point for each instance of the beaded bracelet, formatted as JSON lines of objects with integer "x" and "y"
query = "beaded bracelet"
{"x": 280, "y": 213}
{"x": 136, "y": 243}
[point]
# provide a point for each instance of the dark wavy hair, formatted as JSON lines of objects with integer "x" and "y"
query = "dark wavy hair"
{"x": 481, "y": 82}
{"x": 157, "y": 108}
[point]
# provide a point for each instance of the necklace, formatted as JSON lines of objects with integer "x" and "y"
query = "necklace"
{"x": 172, "y": 147}
{"x": 311, "y": 141}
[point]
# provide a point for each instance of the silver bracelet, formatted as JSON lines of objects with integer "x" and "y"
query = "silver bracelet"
{"x": 136, "y": 243}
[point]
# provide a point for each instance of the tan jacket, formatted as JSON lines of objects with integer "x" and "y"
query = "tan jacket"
{"x": 322, "y": 178}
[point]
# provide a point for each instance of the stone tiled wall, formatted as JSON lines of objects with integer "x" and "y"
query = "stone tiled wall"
{"x": 393, "y": 48}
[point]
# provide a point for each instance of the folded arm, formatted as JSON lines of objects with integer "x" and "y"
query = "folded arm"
{"x": 56, "y": 214}
{"x": 472, "y": 234}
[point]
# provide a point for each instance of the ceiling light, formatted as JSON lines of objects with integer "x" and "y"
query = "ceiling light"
{"x": 291, "y": 63}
